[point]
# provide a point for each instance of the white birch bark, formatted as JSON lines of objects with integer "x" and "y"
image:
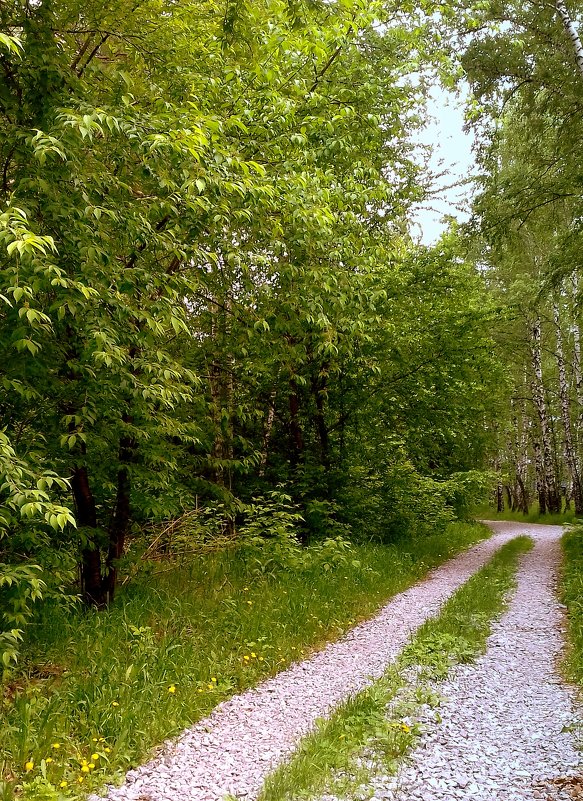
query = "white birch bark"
{"x": 550, "y": 486}
{"x": 571, "y": 32}
{"x": 570, "y": 453}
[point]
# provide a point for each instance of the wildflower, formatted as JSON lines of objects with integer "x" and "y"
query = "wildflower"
{"x": 91, "y": 765}
{"x": 250, "y": 603}
{"x": 213, "y": 679}
{"x": 80, "y": 780}
{"x": 261, "y": 659}
{"x": 405, "y": 727}
{"x": 94, "y": 757}
{"x": 114, "y": 703}
{"x": 84, "y": 768}
{"x": 102, "y": 739}
{"x": 48, "y": 760}
{"x": 28, "y": 766}
{"x": 94, "y": 739}
{"x": 211, "y": 686}
{"x": 63, "y": 784}
{"x": 56, "y": 746}
{"x": 172, "y": 688}
{"x": 107, "y": 750}
{"x": 246, "y": 658}
{"x": 253, "y": 654}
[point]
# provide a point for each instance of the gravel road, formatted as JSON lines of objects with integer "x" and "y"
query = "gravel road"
{"x": 507, "y": 730}
{"x": 234, "y": 749}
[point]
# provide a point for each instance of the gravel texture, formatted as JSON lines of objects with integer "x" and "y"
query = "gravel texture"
{"x": 508, "y": 726}
{"x": 239, "y": 744}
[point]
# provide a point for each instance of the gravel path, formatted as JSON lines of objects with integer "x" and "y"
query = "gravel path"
{"x": 234, "y": 749}
{"x": 507, "y": 721}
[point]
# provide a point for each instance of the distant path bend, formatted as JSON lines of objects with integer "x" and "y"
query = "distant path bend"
{"x": 245, "y": 738}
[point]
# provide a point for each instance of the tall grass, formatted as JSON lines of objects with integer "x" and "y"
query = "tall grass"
{"x": 572, "y": 596}
{"x": 98, "y": 690}
{"x": 488, "y": 512}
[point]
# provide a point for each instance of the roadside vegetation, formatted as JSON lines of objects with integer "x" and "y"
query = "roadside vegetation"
{"x": 96, "y": 690}
{"x": 488, "y": 512}
{"x": 572, "y": 596}
{"x": 379, "y": 722}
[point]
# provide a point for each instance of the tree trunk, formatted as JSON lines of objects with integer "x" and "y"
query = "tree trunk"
{"x": 570, "y": 452}
{"x": 268, "y": 428}
{"x": 91, "y": 577}
{"x": 120, "y": 524}
{"x": 540, "y": 479}
{"x": 571, "y": 32}
{"x": 318, "y": 391}
{"x": 549, "y": 487}
{"x": 297, "y": 439}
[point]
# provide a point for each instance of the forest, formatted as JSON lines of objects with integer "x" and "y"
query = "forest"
{"x": 220, "y": 338}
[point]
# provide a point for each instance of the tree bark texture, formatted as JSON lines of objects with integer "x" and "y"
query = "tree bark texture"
{"x": 552, "y": 497}
{"x": 570, "y": 451}
{"x": 572, "y": 33}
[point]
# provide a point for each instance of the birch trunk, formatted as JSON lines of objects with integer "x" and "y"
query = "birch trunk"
{"x": 571, "y": 32}
{"x": 570, "y": 452}
{"x": 552, "y": 497}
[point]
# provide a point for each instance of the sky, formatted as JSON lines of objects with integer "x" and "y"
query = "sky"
{"x": 452, "y": 153}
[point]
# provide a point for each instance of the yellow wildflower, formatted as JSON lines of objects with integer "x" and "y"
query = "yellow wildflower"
{"x": 114, "y": 703}
{"x": 107, "y": 750}
{"x": 28, "y": 766}
{"x": 172, "y": 688}
{"x": 84, "y": 768}
{"x": 48, "y": 760}
{"x": 91, "y": 765}
{"x": 253, "y": 654}
{"x": 213, "y": 679}
{"x": 94, "y": 757}
{"x": 56, "y": 745}
{"x": 63, "y": 784}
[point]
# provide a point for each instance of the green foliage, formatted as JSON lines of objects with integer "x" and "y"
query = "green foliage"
{"x": 572, "y": 596}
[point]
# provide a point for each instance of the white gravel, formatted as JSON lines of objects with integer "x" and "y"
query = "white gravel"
{"x": 507, "y": 730}
{"x": 239, "y": 744}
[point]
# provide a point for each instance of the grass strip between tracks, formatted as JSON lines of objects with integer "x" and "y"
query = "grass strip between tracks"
{"x": 377, "y": 726}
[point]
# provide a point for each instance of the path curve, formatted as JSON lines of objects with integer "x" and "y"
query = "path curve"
{"x": 245, "y": 738}
{"x": 508, "y": 721}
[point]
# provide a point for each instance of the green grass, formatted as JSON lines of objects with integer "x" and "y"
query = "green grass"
{"x": 487, "y": 512}
{"x": 328, "y": 759}
{"x": 114, "y": 684}
{"x": 572, "y": 596}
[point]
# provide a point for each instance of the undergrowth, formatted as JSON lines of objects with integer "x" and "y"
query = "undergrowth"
{"x": 379, "y": 722}
{"x": 487, "y": 512}
{"x": 572, "y": 596}
{"x": 96, "y": 691}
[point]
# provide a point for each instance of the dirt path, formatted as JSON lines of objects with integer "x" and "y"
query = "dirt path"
{"x": 508, "y": 722}
{"x": 234, "y": 749}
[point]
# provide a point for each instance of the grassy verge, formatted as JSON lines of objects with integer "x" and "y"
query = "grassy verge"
{"x": 572, "y": 596}
{"x": 379, "y": 721}
{"x": 487, "y": 512}
{"x": 97, "y": 691}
